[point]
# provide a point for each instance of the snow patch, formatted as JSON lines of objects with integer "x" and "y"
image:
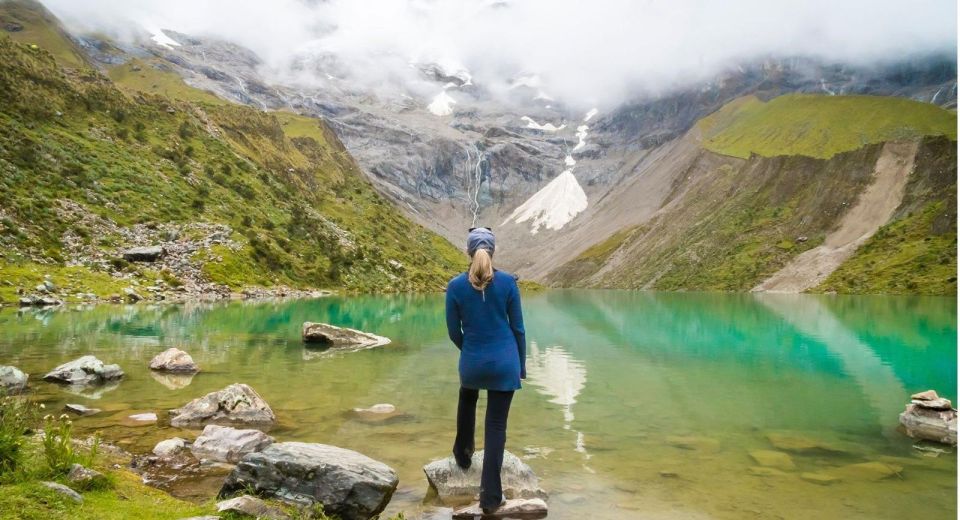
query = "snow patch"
{"x": 542, "y": 95}
{"x": 537, "y": 126}
{"x": 582, "y": 136}
{"x": 569, "y": 161}
{"x": 160, "y": 38}
{"x": 590, "y": 114}
{"x": 530, "y": 80}
{"x": 442, "y": 104}
{"x": 553, "y": 206}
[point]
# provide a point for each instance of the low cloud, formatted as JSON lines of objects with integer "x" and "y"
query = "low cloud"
{"x": 584, "y": 52}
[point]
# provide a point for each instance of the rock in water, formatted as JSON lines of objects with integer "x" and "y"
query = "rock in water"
{"x": 517, "y": 508}
{"x": 348, "y": 484}
{"x": 454, "y": 484}
{"x": 247, "y": 505}
{"x": 174, "y": 360}
{"x": 170, "y": 447}
{"x": 88, "y": 370}
{"x": 930, "y": 417}
{"x": 12, "y": 380}
{"x": 225, "y": 444}
{"x": 80, "y": 409}
{"x": 235, "y": 404}
{"x": 326, "y": 334}
{"x": 773, "y": 459}
{"x": 143, "y": 254}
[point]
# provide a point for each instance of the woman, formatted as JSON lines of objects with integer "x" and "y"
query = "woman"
{"x": 484, "y": 321}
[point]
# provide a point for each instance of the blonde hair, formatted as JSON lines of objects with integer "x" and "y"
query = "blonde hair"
{"x": 481, "y": 269}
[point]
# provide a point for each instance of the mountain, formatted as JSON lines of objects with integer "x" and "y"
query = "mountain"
{"x": 237, "y": 196}
{"x": 568, "y": 189}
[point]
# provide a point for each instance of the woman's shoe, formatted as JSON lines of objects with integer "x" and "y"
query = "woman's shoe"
{"x": 464, "y": 460}
{"x": 493, "y": 509}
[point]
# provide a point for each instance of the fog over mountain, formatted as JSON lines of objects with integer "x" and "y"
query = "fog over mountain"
{"x": 585, "y": 54}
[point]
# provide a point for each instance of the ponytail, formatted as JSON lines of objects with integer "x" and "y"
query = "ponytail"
{"x": 481, "y": 269}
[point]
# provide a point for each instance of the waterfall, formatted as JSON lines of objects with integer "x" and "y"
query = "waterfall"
{"x": 477, "y": 179}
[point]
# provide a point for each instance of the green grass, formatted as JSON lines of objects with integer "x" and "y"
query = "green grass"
{"x": 148, "y": 76}
{"x": 72, "y": 279}
{"x": 903, "y": 257}
{"x": 818, "y": 125}
{"x": 301, "y": 209}
{"x": 40, "y": 29}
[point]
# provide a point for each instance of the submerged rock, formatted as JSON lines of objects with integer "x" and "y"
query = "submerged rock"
{"x": 348, "y": 484}
{"x": 12, "y": 380}
{"x": 695, "y": 443}
{"x": 251, "y": 506}
{"x": 326, "y": 334}
{"x": 822, "y": 479}
{"x": 235, "y": 404}
{"x": 930, "y": 417}
{"x": 454, "y": 484}
{"x": 174, "y": 360}
{"x": 80, "y": 409}
{"x": 225, "y": 444}
{"x": 144, "y": 254}
{"x": 87, "y": 370}
{"x": 773, "y": 459}
{"x": 798, "y": 443}
{"x": 516, "y": 508}
{"x": 377, "y": 413}
{"x": 869, "y": 471}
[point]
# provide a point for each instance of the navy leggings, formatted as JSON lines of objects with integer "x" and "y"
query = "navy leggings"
{"x": 494, "y": 438}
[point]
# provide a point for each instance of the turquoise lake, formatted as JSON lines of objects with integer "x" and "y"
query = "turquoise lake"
{"x": 637, "y": 404}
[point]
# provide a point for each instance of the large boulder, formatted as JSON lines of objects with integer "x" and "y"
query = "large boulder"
{"x": 225, "y": 444}
{"x": 930, "y": 417}
{"x": 235, "y": 404}
{"x": 454, "y": 484}
{"x": 12, "y": 380}
{"x": 350, "y": 485}
{"x": 144, "y": 254}
{"x": 87, "y": 370}
{"x": 174, "y": 360}
{"x": 329, "y": 335}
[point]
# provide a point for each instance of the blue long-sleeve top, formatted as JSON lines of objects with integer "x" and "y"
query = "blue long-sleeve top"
{"x": 487, "y": 327}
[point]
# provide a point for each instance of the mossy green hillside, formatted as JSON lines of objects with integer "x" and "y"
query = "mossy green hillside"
{"x": 76, "y": 152}
{"x": 152, "y": 77}
{"x": 916, "y": 252}
{"x": 28, "y": 22}
{"x": 819, "y": 125}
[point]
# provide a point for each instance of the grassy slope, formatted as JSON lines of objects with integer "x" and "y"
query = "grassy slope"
{"x": 38, "y": 27}
{"x": 916, "y": 252}
{"x": 304, "y": 211}
{"x": 819, "y": 126}
{"x": 739, "y": 223}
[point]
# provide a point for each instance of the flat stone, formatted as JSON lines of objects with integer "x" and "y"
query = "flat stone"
{"x": 12, "y": 380}
{"x": 515, "y": 508}
{"x": 80, "y": 409}
{"x": 694, "y": 443}
{"x": 143, "y": 417}
{"x": 87, "y": 370}
{"x": 174, "y": 360}
{"x": 251, "y": 506}
{"x": 867, "y": 471}
{"x": 326, "y": 334}
{"x": 929, "y": 395}
{"x": 934, "y": 404}
{"x": 65, "y": 491}
{"x": 235, "y": 404}
{"x": 773, "y": 459}
{"x": 453, "y": 484}
{"x": 225, "y": 444}
{"x": 348, "y": 484}
{"x": 798, "y": 443}
{"x": 819, "y": 478}
{"x": 144, "y": 254}
{"x": 764, "y": 471}
{"x": 376, "y": 414}
{"x": 169, "y": 447}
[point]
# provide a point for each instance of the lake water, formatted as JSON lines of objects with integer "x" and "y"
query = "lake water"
{"x": 637, "y": 405}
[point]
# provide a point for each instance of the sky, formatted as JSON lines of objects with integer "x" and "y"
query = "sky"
{"x": 584, "y": 52}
